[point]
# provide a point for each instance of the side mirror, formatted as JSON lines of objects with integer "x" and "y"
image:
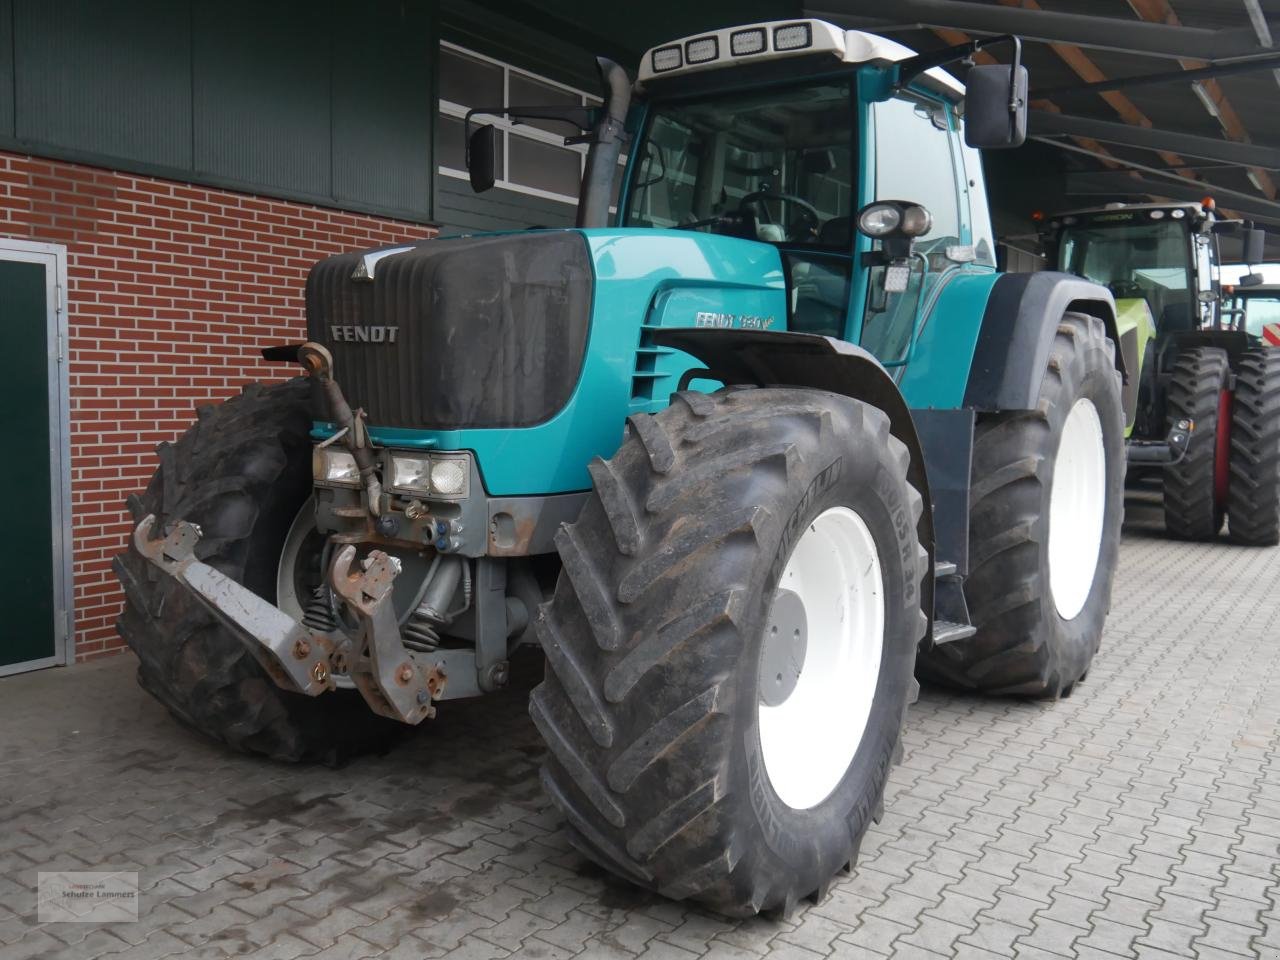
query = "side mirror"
{"x": 1255, "y": 242}
{"x": 995, "y": 106}
{"x": 482, "y": 157}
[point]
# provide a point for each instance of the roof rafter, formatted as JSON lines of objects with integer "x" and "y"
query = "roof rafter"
{"x": 954, "y": 38}
{"x": 1159, "y": 11}
{"x": 1084, "y": 67}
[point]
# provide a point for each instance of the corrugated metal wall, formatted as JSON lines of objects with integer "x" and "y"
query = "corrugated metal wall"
{"x": 329, "y": 102}
{"x": 459, "y": 210}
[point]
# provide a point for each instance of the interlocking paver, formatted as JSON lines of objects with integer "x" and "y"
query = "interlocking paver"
{"x": 1140, "y": 817}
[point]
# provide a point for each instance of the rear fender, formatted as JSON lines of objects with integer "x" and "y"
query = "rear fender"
{"x": 1018, "y": 328}
{"x": 776, "y": 359}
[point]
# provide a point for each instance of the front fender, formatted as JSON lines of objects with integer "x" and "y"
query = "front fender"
{"x": 1018, "y": 328}
{"x": 766, "y": 358}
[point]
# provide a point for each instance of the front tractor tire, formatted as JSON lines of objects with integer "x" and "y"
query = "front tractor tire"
{"x": 1046, "y": 506}
{"x": 730, "y": 646}
{"x": 241, "y": 473}
{"x": 1195, "y": 488}
{"x": 1253, "y": 502}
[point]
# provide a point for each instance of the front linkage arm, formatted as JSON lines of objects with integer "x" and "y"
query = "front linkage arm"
{"x": 298, "y": 659}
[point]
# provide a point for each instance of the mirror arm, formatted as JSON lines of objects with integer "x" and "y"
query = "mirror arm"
{"x": 912, "y": 67}
{"x": 584, "y": 118}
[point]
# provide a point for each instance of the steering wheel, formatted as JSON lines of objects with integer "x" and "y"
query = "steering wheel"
{"x": 808, "y": 211}
{"x": 1125, "y": 289}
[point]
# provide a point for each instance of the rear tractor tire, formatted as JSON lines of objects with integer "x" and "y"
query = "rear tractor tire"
{"x": 242, "y": 473}
{"x": 730, "y": 646}
{"x": 1047, "y": 502}
{"x": 1195, "y": 488}
{"x": 1253, "y": 502}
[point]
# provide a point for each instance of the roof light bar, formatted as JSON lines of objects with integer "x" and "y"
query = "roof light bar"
{"x": 748, "y": 41}
{"x": 702, "y": 50}
{"x": 666, "y": 58}
{"x": 792, "y": 36}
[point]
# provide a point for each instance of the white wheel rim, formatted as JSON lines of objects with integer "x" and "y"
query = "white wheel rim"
{"x": 809, "y": 739}
{"x": 1077, "y": 506}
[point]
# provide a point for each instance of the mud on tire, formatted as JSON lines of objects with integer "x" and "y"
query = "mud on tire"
{"x": 653, "y": 641}
{"x": 241, "y": 473}
{"x": 1253, "y": 502}
{"x": 1023, "y": 646}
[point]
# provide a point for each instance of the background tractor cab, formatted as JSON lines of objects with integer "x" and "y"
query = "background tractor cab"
{"x": 1252, "y": 306}
{"x": 1186, "y": 336}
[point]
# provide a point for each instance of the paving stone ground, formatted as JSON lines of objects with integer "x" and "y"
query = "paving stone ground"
{"x": 1138, "y": 818}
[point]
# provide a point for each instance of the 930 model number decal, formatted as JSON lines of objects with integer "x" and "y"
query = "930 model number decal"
{"x": 744, "y": 321}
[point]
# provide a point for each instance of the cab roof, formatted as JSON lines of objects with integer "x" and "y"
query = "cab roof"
{"x": 779, "y": 40}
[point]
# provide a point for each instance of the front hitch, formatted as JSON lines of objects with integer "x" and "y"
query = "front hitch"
{"x": 391, "y": 680}
{"x": 296, "y": 658}
{"x": 389, "y": 677}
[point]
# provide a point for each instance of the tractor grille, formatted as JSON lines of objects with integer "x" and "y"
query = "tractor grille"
{"x": 468, "y": 332}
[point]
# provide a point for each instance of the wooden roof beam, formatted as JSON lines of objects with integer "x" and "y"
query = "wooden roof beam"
{"x": 953, "y": 38}
{"x": 1084, "y": 67}
{"x": 1159, "y": 11}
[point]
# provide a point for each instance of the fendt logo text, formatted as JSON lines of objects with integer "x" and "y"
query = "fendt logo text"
{"x": 350, "y": 333}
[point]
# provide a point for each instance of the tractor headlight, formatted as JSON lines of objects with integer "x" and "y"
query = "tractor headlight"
{"x": 449, "y": 477}
{"x": 886, "y": 218}
{"x": 429, "y": 474}
{"x": 916, "y": 221}
{"x": 333, "y": 466}
{"x": 879, "y": 219}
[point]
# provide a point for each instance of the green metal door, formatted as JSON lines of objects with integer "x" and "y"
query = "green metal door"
{"x": 33, "y": 574}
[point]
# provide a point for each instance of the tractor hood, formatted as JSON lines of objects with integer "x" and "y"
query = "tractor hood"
{"x": 474, "y": 331}
{"x": 530, "y": 348}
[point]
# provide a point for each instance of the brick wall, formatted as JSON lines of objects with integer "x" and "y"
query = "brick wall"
{"x": 173, "y": 288}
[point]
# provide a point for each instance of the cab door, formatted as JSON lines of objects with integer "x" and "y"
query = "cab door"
{"x": 913, "y": 153}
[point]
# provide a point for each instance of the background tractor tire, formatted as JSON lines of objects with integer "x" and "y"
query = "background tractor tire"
{"x": 1194, "y": 505}
{"x": 1038, "y": 626}
{"x": 241, "y": 473}
{"x": 656, "y": 639}
{"x": 1253, "y": 503}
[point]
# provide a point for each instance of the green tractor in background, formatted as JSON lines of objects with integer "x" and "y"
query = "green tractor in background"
{"x": 1207, "y": 388}
{"x": 739, "y": 460}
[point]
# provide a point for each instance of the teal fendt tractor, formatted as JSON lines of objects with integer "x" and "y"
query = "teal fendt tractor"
{"x": 740, "y": 459}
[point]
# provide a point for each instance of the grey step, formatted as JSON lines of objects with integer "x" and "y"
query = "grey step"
{"x": 944, "y": 631}
{"x": 944, "y": 568}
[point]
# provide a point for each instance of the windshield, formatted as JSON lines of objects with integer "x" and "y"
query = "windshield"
{"x": 771, "y": 165}
{"x": 1147, "y": 260}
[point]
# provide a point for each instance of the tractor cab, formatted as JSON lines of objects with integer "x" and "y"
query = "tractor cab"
{"x": 1253, "y": 308}
{"x": 1163, "y": 254}
{"x": 842, "y": 150}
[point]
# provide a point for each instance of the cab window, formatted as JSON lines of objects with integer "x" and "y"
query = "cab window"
{"x": 773, "y": 165}
{"x": 913, "y": 161}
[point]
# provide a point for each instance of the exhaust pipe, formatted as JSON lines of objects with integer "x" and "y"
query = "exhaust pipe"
{"x": 606, "y": 147}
